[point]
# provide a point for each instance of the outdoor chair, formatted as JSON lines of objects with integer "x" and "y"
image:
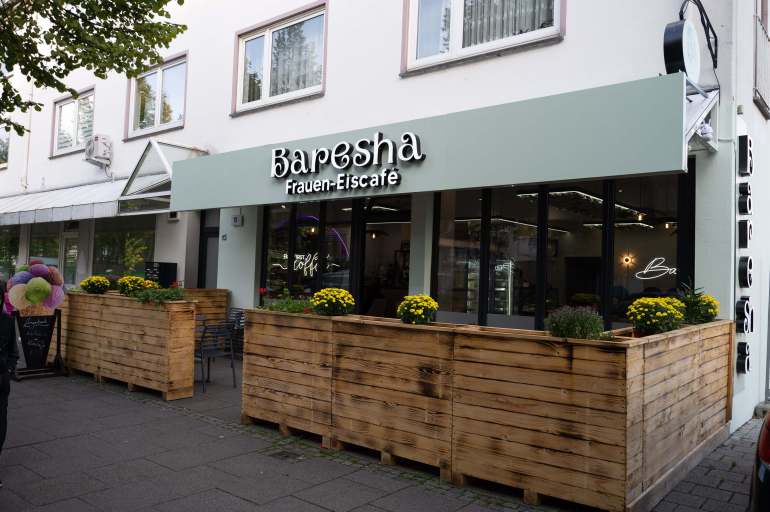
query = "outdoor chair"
{"x": 216, "y": 341}
{"x": 237, "y": 316}
{"x": 200, "y": 328}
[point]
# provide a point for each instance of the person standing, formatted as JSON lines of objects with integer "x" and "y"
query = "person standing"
{"x": 9, "y": 355}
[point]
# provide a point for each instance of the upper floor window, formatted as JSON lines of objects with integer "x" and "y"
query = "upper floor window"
{"x": 74, "y": 122}
{"x": 281, "y": 62}
{"x": 5, "y": 137}
{"x": 443, "y": 30}
{"x": 158, "y": 98}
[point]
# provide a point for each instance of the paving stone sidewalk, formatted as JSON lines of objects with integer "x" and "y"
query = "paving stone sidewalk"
{"x": 77, "y": 446}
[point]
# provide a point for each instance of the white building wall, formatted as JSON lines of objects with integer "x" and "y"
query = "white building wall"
{"x": 363, "y": 84}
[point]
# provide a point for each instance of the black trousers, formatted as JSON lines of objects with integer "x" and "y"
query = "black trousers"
{"x": 5, "y": 390}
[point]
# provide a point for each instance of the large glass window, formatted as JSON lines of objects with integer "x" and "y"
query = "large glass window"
{"x": 297, "y": 258}
{"x": 574, "y": 259}
{"x": 459, "y": 256}
{"x": 282, "y": 62}
{"x": 512, "y": 259}
{"x": 646, "y": 232}
{"x": 158, "y": 97}
{"x": 122, "y": 245}
{"x": 9, "y": 251}
{"x": 278, "y": 250}
{"x": 44, "y": 243}
{"x": 452, "y": 29}
{"x": 306, "y": 255}
{"x": 337, "y": 244}
{"x": 387, "y": 248}
{"x": 74, "y": 123}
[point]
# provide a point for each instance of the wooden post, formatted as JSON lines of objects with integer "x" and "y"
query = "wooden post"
{"x": 531, "y": 498}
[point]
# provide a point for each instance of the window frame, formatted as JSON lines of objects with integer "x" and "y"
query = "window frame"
{"x": 172, "y": 62}
{"x": 456, "y": 52}
{"x": 266, "y": 30}
{"x": 57, "y": 106}
{"x": 7, "y": 134}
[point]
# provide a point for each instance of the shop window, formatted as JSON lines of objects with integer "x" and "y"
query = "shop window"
{"x": 44, "y": 243}
{"x": 158, "y": 98}
{"x": 442, "y": 30}
{"x": 646, "y": 232}
{"x": 458, "y": 275}
{"x": 277, "y": 261}
{"x": 387, "y": 246}
{"x": 282, "y": 62}
{"x": 74, "y": 123}
{"x": 122, "y": 245}
{"x": 9, "y": 251}
{"x": 574, "y": 256}
{"x": 512, "y": 259}
{"x": 306, "y": 250}
{"x": 299, "y": 260}
{"x": 336, "y": 259}
{"x": 5, "y": 139}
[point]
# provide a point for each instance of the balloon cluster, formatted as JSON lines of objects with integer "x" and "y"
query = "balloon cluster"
{"x": 36, "y": 284}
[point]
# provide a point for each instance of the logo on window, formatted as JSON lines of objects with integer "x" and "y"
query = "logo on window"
{"x": 655, "y": 269}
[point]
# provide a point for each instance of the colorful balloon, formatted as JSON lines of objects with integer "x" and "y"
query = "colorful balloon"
{"x": 55, "y": 299}
{"x": 22, "y": 277}
{"x": 39, "y": 270}
{"x": 18, "y": 297}
{"x": 54, "y": 276}
{"x": 38, "y": 289}
{"x": 35, "y": 261}
{"x": 22, "y": 268}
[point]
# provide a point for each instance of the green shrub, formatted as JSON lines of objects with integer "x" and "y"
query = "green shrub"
{"x": 577, "y": 323}
{"x": 699, "y": 307}
{"x": 290, "y": 305}
{"x": 158, "y": 295}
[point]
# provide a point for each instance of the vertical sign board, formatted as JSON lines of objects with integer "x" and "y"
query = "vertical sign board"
{"x": 36, "y": 333}
{"x": 744, "y": 311}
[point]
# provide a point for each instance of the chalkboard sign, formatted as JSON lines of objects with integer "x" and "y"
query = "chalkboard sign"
{"x": 36, "y": 333}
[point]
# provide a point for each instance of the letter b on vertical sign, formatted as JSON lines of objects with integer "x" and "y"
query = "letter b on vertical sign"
{"x": 746, "y": 272}
{"x": 745, "y": 156}
{"x": 744, "y": 316}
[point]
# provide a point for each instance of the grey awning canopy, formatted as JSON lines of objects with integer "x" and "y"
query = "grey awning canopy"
{"x": 92, "y": 201}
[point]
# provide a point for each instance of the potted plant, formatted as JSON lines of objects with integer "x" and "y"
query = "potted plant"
{"x": 654, "y": 315}
{"x": 333, "y": 302}
{"x": 417, "y": 309}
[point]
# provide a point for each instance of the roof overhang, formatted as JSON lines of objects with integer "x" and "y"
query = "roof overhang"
{"x": 92, "y": 201}
{"x": 148, "y": 189}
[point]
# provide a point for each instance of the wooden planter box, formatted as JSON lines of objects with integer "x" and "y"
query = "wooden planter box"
{"x": 612, "y": 425}
{"x": 287, "y": 371}
{"x": 210, "y": 304}
{"x": 140, "y": 344}
{"x": 609, "y": 424}
{"x": 392, "y": 389}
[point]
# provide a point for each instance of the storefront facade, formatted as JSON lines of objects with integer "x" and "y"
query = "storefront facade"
{"x": 508, "y": 171}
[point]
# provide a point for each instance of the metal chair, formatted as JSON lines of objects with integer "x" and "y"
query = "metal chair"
{"x": 217, "y": 341}
{"x": 237, "y": 316}
{"x": 200, "y": 329}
